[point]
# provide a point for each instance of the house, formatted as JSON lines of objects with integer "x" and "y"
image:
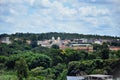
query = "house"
{"x": 6, "y": 40}
{"x": 98, "y": 42}
{"x": 84, "y": 40}
{"x": 84, "y": 47}
{"x": 45, "y": 43}
{"x": 114, "y": 48}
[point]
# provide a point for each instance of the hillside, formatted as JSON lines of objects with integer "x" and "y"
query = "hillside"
{"x": 42, "y": 36}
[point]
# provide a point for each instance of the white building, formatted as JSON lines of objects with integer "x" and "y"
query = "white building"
{"x": 84, "y": 40}
{"x": 6, "y": 40}
{"x": 98, "y": 42}
{"x": 57, "y": 41}
{"x": 99, "y": 77}
{"x": 91, "y": 77}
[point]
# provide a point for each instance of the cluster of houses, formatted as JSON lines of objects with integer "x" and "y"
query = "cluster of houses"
{"x": 77, "y": 44}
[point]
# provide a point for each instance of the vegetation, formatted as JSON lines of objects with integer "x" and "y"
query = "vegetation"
{"x": 22, "y": 61}
{"x": 43, "y": 36}
{"x": 22, "y": 69}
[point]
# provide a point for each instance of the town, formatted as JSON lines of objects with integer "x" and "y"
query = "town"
{"x": 77, "y": 44}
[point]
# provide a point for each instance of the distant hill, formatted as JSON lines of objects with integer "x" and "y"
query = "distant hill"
{"x": 43, "y": 36}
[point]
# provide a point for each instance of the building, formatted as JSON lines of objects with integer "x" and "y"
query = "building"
{"x": 84, "y": 40}
{"x": 91, "y": 77}
{"x": 98, "y": 77}
{"x": 84, "y": 47}
{"x": 45, "y": 43}
{"x": 98, "y": 42}
{"x": 56, "y": 42}
{"x": 6, "y": 40}
{"x": 28, "y": 41}
{"x": 114, "y": 48}
{"x": 75, "y": 78}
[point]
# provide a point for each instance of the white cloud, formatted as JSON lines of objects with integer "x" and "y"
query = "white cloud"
{"x": 58, "y": 15}
{"x": 62, "y": 12}
{"x": 31, "y": 2}
{"x": 114, "y": 1}
{"x": 2, "y": 1}
{"x": 93, "y": 11}
{"x": 93, "y": 0}
{"x": 46, "y": 3}
{"x": 12, "y": 11}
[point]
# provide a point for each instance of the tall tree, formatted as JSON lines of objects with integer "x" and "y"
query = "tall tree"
{"x": 104, "y": 51}
{"x": 22, "y": 69}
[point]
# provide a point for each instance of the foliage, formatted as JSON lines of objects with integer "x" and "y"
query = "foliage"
{"x": 42, "y": 73}
{"x": 3, "y": 59}
{"x": 99, "y": 71}
{"x": 115, "y": 43}
{"x": 8, "y": 77}
{"x": 43, "y": 36}
{"x": 104, "y": 51}
{"x": 74, "y": 55}
{"x": 55, "y": 55}
{"x": 3, "y": 49}
{"x": 98, "y": 66}
{"x": 62, "y": 75}
{"x": 36, "y": 71}
{"x": 55, "y": 46}
{"x": 33, "y": 60}
{"x": 22, "y": 69}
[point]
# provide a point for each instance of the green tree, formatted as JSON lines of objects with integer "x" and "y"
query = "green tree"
{"x": 55, "y": 46}
{"x": 104, "y": 51}
{"x": 99, "y": 71}
{"x": 55, "y": 55}
{"x": 22, "y": 69}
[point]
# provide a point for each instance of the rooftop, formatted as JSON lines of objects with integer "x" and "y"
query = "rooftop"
{"x": 99, "y": 75}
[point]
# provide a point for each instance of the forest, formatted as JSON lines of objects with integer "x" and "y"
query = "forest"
{"x": 22, "y": 61}
{"x": 43, "y": 36}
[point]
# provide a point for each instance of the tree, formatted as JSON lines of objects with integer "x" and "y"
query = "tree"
{"x": 55, "y": 46}
{"x": 34, "y": 44}
{"x": 99, "y": 71}
{"x": 22, "y": 69}
{"x": 104, "y": 51}
{"x": 55, "y": 55}
{"x": 33, "y": 60}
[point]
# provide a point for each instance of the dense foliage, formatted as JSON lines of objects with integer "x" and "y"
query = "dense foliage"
{"x": 49, "y": 35}
{"x": 22, "y": 69}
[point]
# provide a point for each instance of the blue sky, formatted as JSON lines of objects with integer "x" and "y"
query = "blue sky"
{"x": 100, "y": 17}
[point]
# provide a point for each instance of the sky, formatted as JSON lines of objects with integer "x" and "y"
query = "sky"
{"x": 100, "y": 17}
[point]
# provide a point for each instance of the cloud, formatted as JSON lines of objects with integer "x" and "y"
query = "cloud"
{"x": 82, "y": 16}
{"x": 31, "y": 2}
{"x": 93, "y": 11}
{"x": 12, "y": 11}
